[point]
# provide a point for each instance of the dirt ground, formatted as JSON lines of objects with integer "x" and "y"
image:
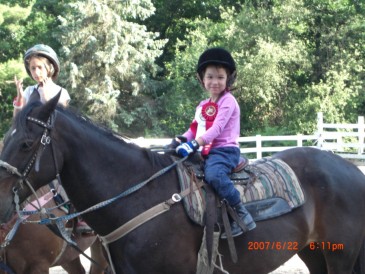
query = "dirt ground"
{"x": 293, "y": 266}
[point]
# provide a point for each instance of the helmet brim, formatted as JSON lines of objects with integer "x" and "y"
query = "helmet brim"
{"x": 227, "y": 65}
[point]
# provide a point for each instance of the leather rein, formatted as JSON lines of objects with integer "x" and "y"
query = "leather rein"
{"x": 106, "y": 239}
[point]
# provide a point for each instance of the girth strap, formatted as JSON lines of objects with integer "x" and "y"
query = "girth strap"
{"x": 137, "y": 221}
{"x": 147, "y": 215}
{"x": 227, "y": 228}
{"x": 143, "y": 218}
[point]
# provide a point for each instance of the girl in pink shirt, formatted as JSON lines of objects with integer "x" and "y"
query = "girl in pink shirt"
{"x": 216, "y": 128}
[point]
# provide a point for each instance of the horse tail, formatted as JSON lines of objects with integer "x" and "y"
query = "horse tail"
{"x": 359, "y": 267}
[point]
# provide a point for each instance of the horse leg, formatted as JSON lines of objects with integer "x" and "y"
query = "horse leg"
{"x": 341, "y": 251}
{"x": 38, "y": 268}
{"x": 98, "y": 255}
{"x": 359, "y": 267}
{"x": 74, "y": 266}
{"x": 340, "y": 247}
{"x": 340, "y": 262}
{"x": 314, "y": 260}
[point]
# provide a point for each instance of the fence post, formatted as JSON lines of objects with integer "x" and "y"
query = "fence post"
{"x": 339, "y": 146}
{"x": 320, "y": 129}
{"x": 300, "y": 140}
{"x": 258, "y": 147}
{"x": 361, "y": 134}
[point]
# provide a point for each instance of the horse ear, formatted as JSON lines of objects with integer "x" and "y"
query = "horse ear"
{"x": 49, "y": 107}
{"x": 34, "y": 96}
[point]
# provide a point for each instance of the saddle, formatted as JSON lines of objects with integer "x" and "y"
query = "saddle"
{"x": 268, "y": 188}
{"x": 239, "y": 175}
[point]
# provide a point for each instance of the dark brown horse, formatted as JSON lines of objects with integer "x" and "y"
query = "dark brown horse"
{"x": 35, "y": 248}
{"x": 328, "y": 231}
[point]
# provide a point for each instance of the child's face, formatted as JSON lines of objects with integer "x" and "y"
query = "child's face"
{"x": 38, "y": 69}
{"x": 215, "y": 80}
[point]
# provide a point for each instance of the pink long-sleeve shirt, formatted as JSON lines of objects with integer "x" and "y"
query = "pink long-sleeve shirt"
{"x": 225, "y": 130}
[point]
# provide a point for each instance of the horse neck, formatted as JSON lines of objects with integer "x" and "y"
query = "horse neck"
{"x": 91, "y": 155}
{"x": 97, "y": 167}
{"x": 82, "y": 139}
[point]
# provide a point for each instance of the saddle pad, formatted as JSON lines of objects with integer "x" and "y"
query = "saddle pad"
{"x": 194, "y": 203}
{"x": 273, "y": 179}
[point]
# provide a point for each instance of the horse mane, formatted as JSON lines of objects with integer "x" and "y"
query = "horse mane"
{"x": 154, "y": 157}
{"x": 75, "y": 115}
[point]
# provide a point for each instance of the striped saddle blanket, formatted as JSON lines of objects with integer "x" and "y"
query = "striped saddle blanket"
{"x": 268, "y": 188}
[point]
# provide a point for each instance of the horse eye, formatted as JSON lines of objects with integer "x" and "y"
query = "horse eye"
{"x": 27, "y": 145}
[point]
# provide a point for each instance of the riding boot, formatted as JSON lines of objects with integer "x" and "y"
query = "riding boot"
{"x": 245, "y": 217}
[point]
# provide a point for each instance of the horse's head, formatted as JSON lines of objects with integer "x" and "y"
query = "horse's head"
{"x": 27, "y": 160}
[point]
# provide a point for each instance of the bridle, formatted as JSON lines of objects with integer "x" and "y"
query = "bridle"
{"x": 35, "y": 159}
{"x": 107, "y": 239}
{"x": 23, "y": 176}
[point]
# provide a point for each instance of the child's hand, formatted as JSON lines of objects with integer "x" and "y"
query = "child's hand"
{"x": 19, "y": 86}
{"x": 46, "y": 85}
{"x": 19, "y": 100}
{"x": 187, "y": 148}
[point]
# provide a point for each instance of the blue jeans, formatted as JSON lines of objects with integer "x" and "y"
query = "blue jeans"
{"x": 218, "y": 166}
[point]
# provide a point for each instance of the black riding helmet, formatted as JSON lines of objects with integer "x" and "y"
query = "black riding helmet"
{"x": 217, "y": 56}
{"x": 45, "y": 51}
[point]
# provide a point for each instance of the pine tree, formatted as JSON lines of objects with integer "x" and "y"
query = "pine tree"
{"x": 108, "y": 56}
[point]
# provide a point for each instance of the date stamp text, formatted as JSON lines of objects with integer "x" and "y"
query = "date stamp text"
{"x": 272, "y": 245}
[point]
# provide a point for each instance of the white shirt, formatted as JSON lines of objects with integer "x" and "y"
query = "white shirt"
{"x": 52, "y": 90}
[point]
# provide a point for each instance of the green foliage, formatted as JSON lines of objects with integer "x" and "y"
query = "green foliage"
{"x": 8, "y": 91}
{"x": 11, "y": 31}
{"x": 174, "y": 19}
{"x": 109, "y": 60}
{"x": 21, "y": 3}
{"x": 294, "y": 58}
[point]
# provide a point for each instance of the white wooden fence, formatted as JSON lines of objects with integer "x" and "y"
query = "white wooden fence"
{"x": 346, "y": 140}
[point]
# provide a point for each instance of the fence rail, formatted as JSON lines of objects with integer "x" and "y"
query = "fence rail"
{"x": 347, "y": 140}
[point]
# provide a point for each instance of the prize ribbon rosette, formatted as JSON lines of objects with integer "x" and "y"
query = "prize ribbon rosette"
{"x": 209, "y": 112}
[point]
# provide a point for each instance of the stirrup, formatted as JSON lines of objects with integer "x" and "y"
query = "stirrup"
{"x": 234, "y": 234}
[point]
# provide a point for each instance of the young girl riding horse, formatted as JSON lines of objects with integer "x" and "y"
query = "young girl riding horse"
{"x": 216, "y": 128}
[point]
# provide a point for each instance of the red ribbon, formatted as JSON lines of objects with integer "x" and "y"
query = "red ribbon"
{"x": 209, "y": 112}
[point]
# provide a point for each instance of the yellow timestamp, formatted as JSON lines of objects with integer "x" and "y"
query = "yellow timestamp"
{"x": 328, "y": 246}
